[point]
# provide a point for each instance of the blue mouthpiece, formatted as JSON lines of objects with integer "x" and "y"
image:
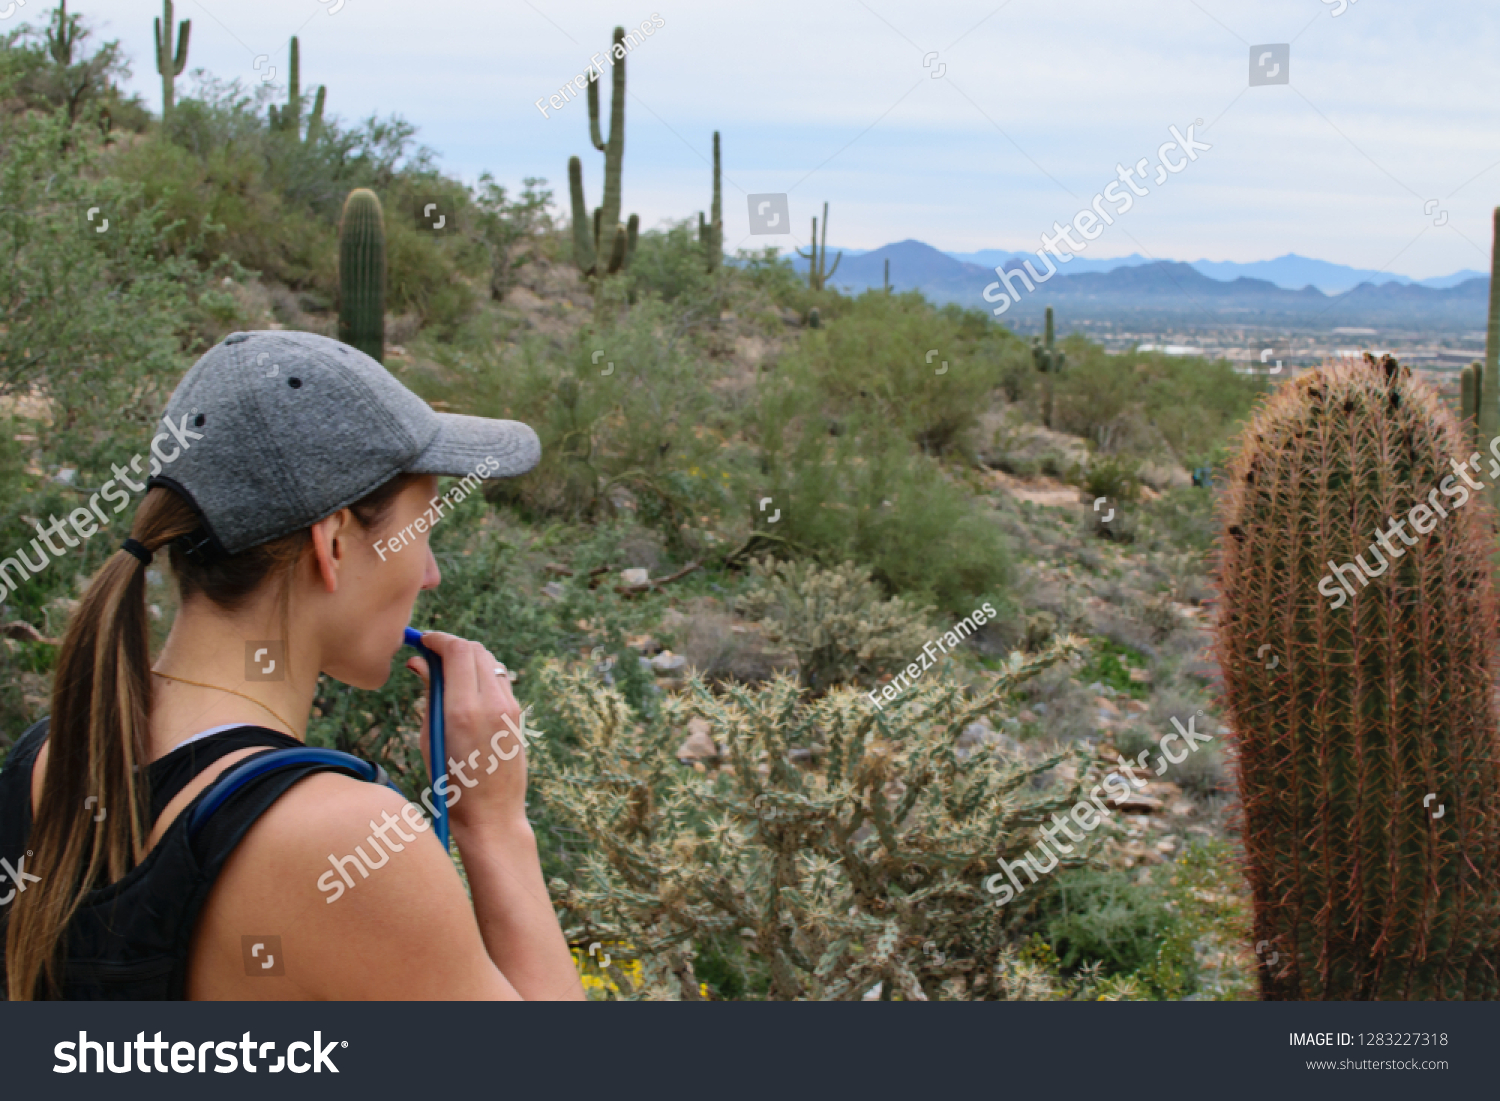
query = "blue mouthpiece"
{"x": 437, "y": 750}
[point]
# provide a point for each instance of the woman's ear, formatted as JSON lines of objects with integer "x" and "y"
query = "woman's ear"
{"x": 328, "y": 551}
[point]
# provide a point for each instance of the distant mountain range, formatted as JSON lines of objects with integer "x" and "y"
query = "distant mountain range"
{"x": 1289, "y": 291}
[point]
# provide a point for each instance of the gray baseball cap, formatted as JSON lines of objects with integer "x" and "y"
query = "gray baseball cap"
{"x": 280, "y": 429}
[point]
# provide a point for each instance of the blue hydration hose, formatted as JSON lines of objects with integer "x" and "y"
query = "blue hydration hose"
{"x": 437, "y": 749}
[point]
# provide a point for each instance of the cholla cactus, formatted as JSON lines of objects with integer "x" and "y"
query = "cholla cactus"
{"x": 839, "y": 847}
{"x": 835, "y": 621}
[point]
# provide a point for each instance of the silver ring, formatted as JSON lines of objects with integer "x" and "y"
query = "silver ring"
{"x": 502, "y": 671}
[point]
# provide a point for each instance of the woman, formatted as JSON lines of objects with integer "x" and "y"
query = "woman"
{"x": 294, "y": 457}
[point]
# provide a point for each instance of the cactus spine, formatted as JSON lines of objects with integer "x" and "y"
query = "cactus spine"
{"x": 817, "y": 277}
{"x": 610, "y": 247}
{"x": 288, "y": 119}
{"x": 167, "y": 65}
{"x": 362, "y": 274}
{"x": 1379, "y": 706}
{"x": 711, "y": 233}
{"x": 1050, "y": 362}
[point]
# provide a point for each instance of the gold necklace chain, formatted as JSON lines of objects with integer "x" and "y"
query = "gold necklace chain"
{"x": 232, "y": 692}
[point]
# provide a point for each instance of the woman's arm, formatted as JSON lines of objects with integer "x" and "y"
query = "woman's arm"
{"x": 487, "y": 752}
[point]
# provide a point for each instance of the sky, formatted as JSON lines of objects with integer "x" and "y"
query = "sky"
{"x": 967, "y": 125}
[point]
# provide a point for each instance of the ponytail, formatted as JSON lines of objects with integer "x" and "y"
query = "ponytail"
{"x": 93, "y": 751}
{"x": 99, "y": 737}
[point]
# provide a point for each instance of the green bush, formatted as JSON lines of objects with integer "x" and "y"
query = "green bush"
{"x": 671, "y": 265}
{"x": 893, "y": 358}
{"x": 1108, "y": 476}
{"x": 865, "y": 495}
{"x": 1147, "y": 403}
{"x": 1109, "y": 917}
{"x": 645, "y": 436}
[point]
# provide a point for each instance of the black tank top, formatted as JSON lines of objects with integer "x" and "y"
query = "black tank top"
{"x": 131, "y": 939}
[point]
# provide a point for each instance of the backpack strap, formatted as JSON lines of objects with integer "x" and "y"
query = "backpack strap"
{"x": 264, "y": 764}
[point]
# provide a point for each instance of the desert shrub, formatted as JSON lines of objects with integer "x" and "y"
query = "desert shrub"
{"x": 1013, "y": 370}
{"x": 885, "y": 359}
{"x": 1182, "y": 518}
{"x": 1160, "y": 617}
{"x": 671, "y": 264}
{"x": 1111, "y": 918}
{"x": 1132, "y": 740}
{"x": 647, "y": 436}
{"x": 1147, "y": 403}
{"x": 865, "y": 495}
{"x": 1109, "y": 476}
{"x": 772, "y": 274}
{"x": 840, "y": 882}
{"x": 837, "y": 622}
{"x": 1202, "y": 774}
{"x": 720, "y": 648}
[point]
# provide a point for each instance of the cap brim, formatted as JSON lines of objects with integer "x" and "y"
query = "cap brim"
{"x": 480, "y": 446}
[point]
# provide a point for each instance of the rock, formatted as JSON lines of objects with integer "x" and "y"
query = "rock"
{"x": 553, "y": 589}
{"x": 1137, "y": 803}
{"x": 697, "y": 747}
{"x": 1026, "y": 716}
{"x": 699, "y": 744}
{"x": 1105, "y": 706}
{"x": 635, "y": 577}
{"x": 666, "y": 663}
{"x": 1140, "y": 676}
{"x": 1166, "y": 845}
{"x": 643, "y": 644}
{"x": 1136, "y": 707}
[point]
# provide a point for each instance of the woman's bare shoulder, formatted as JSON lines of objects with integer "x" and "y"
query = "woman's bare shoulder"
{"x": 358, "y": 893}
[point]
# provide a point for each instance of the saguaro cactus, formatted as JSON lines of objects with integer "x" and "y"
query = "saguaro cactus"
{"x": 62, "y": 35}
{"x": 362, "y": 274}
{"x": 288, "y": 119}
{"x": 1358, "y": 671}
{"x": 1050, "y": 362}
{"x": 169, "y": 66}
{"x": 1471, "y": 397}
{"x": 817, "y": 276}
{"x": 1489, "y": 395}
{"x": 610, "y": 247}
{"x": 711, "y": 233}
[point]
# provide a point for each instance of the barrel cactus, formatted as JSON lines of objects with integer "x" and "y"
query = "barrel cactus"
{"x": 1358, "y": 672}
{"x": 362, "y": 274}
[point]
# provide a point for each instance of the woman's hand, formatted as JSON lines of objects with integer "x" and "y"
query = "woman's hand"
{"x": 486, "y": 766}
